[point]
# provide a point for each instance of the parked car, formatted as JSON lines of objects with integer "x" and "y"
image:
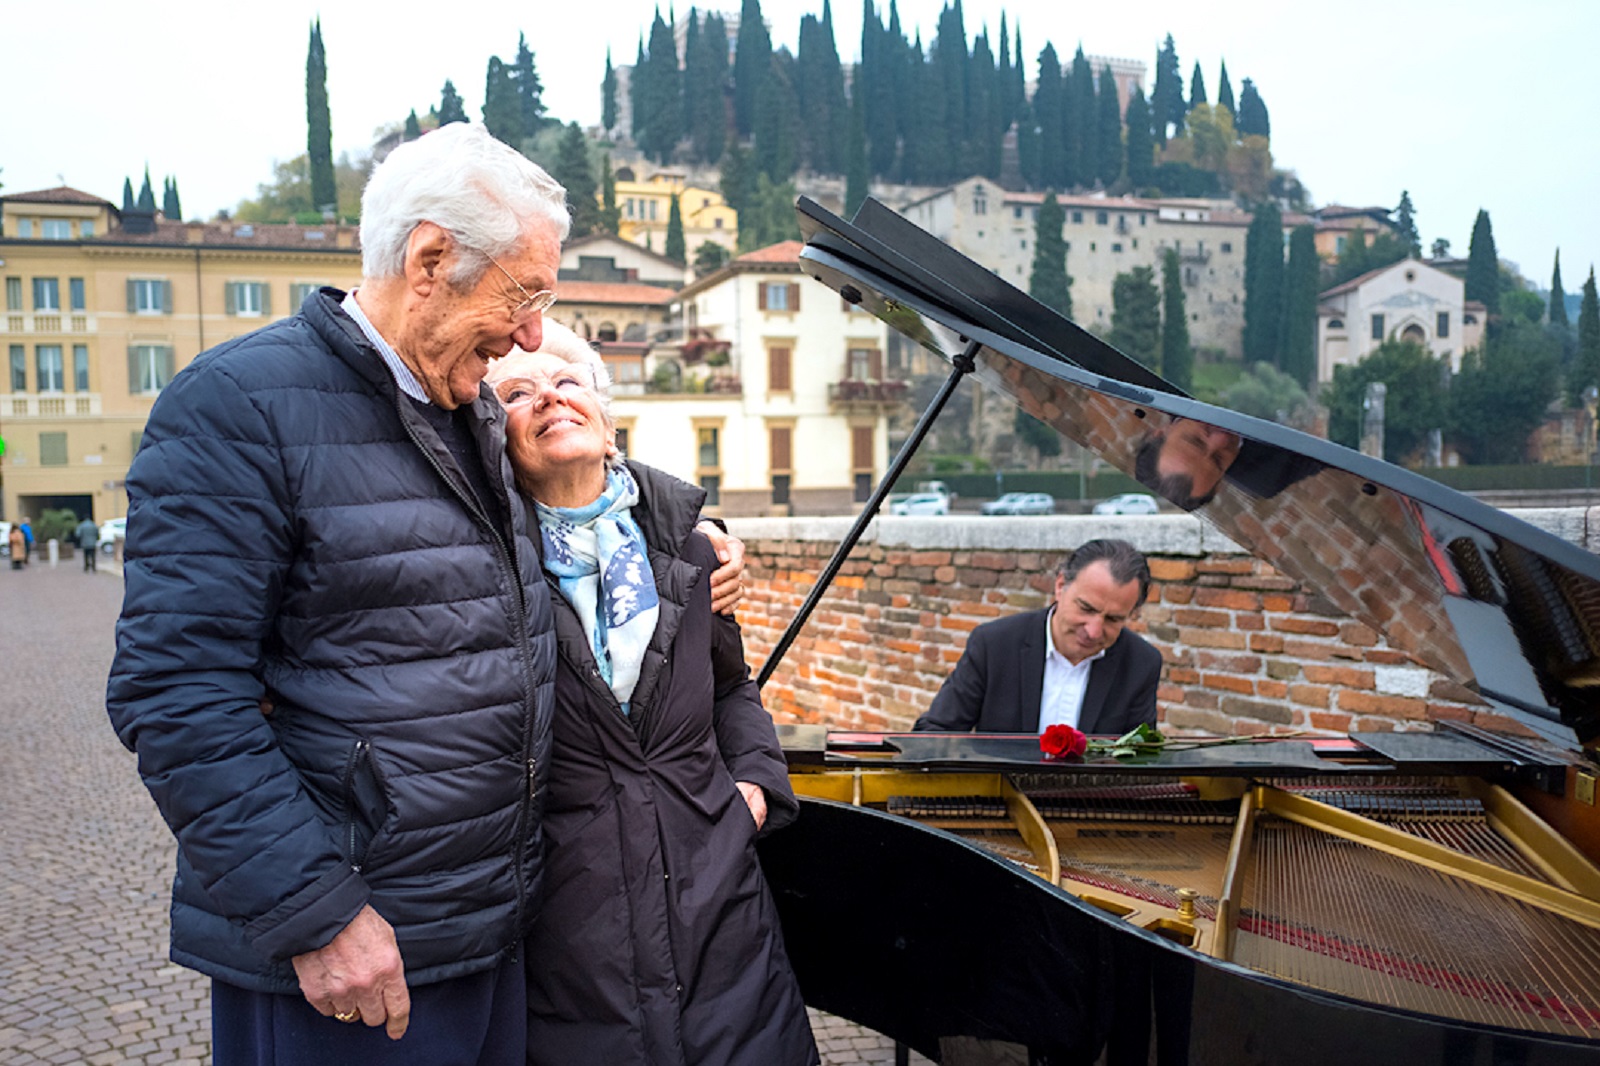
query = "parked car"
{"x": 922, "y": 503}
{"x": 111, "y": 531}
{"x": 1021, "y": 503}
{"x": 5, "y": 540}
{"x": 1129, "y": 503}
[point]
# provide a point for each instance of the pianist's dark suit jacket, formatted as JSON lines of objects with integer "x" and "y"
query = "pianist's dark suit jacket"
{"x": 996, "y": 684}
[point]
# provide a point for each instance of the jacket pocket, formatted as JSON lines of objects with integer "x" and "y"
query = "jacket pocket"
{"x": 365, "y": 800}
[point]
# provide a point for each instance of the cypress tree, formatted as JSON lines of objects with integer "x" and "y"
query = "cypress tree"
{"x": 821, "y": 94}
{"x": 147, "y": 196}
{"x": 127, "y": 196}
{"x": 502, "y": 110}
{"x": 1252, "y": 118}
{"x": 1048, "y": 113}
{"x": 1085, "y": 123}
{"x": 413, "y": 128}
{"x": 1008, "y": 105}
{"x": 1300, "y": 307}
{"x": 530, "y": 90}
{"x": 1017, "y": 91}
{"x": 1141, "y": 145}
{"x": 777, "y": 130}
{"x": 170, "y": 206}
{"x": 739, "y": 182}
{"x": 661, "y": 94}
{"x": 1166, "y": 99}
{"x": 608, "y": 96}
{"x": 1483, "y": 265}
{"x": 702, "y": 87}
{"x": 1028, "y": 146}
{"x": 947, "y": 113}
{"x": 1558, "y": 296}
{"x": 1197, "y": 86}
{"x": 1177, "y": 355}
{"x": 985, "y": 131}
{"x": 1588, "y": 358}
{"x": 451, "y": 108}
{"x": 639, "y": 97}
{"x": 1109, "y": 149}
{"x": 1263, "y": 284}
{"x": 1048, "y": 281}
{"x": 1136, "y": 317}
{"x": 319, "y": 132}
{"x": 675, "y": 248}
{"x": 858, "y": 178}
{"x": 1405, "y": 224}
{"x": 752, "y": 65}
{"x": 610, "y": 216}
{"x": 1225, "y": 91}
{"x": 573, "y": 169}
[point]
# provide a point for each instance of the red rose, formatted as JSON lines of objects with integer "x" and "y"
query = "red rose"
{"x": 1060, "y": 741}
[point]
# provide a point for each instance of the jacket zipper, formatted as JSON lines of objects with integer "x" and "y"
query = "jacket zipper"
{"x": 357, "y": 754}
{"x": 519, "y": 625}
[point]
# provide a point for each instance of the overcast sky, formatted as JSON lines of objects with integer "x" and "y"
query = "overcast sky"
{"x": 1477, "y": 103}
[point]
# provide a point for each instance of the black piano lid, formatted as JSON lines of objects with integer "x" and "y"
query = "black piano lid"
{"x": 1483, "y": 598}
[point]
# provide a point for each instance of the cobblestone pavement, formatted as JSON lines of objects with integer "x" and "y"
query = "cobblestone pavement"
{"x": 86, "y": 863}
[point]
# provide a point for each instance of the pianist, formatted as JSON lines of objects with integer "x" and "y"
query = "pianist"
{"x": 1073, "y": 663}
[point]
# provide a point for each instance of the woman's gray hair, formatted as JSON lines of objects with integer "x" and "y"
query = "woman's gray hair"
{"x": 460, "y": 178}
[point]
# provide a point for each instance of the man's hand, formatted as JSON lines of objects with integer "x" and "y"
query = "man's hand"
{"x": 727, "y": 580}
{"x": 359, "y": 971}
{"x": 756, "y": 800}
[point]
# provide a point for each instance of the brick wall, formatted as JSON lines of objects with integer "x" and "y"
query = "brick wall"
{"x": 1247, "y": 649}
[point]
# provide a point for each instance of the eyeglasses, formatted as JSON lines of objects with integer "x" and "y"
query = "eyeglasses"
{"x": 515, "y": 391}
{"x": 535, "y": 303}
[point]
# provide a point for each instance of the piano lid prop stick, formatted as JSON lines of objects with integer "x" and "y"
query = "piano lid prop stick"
{"x": 963, "y": 365}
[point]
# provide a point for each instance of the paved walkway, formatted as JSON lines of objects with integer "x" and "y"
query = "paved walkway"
{"x": 86, "y": 864}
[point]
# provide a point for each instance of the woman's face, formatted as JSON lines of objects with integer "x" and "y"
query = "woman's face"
{"x": 556, "y": 431}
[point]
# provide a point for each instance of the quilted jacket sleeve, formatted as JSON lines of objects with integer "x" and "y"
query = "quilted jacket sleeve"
{"x": 210, "y": 540}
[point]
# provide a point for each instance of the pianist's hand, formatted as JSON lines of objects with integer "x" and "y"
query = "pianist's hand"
{"x": 756, "y": 800}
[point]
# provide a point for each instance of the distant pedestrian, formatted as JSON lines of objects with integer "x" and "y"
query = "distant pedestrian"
{"x": 27, "y": 543}
{"x": 88, "y": 537}
{"x": 17, "y": 545}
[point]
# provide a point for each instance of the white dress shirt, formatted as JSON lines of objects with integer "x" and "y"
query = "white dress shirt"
{"x": 403, "y": 377}
{"x": 1061, "y": 697}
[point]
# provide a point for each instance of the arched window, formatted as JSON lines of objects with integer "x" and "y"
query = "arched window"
{"x": 1336, "y": 323}
{"x": 1415, "y": 334}
{"x": 607, "y": 331}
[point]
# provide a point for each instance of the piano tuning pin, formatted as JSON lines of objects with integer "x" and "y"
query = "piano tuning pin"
{"x": 1186, "y": 898}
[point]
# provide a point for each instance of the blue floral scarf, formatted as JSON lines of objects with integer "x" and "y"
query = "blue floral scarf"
{"x": 598, "y": 556}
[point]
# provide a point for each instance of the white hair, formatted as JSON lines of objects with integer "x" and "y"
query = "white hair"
{"x": 562, "y": 343}
{"x": 480, "y": 190}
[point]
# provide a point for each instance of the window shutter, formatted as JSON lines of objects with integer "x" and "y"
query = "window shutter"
{"x": 167, "y": 369}
{"x": 861, "y": 447}
{"x": 779, "y": 378}
{"x": 266, "y": 299}
{"x": 761, "y": 296}
{"x": 782, "y": 458}
{"x": 231, "y": 291}
{"x": 875, "y": 361}
{"x": 131, "y": 307}
{"x": 133, "y": 370}
{"x": 166, "y": 297}
{"x": 794, "y": 297}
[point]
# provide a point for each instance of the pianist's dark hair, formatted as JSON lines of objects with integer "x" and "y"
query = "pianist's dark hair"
{"x": 1178, "y": 488}
{"x": 1123, "y": 559}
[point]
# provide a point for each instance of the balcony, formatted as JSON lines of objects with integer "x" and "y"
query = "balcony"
{"x": 49, "y": 405}
{"x": 45, "y": 322}
{"x": 857, "y": 392}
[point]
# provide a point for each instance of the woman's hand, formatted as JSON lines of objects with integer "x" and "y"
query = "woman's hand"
{"x": 727, "y": 580}
{"x": 756, "y": 800}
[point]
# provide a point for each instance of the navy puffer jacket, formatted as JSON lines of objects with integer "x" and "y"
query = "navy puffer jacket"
{"x": 298, "y": 533}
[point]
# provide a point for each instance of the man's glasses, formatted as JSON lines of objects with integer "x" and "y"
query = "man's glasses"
{"x": 533, "y": 303}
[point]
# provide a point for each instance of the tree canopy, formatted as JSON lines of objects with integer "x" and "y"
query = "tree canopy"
{"x": 1483, "y": 265}
{"x": 1415, "y": 406}
{"x": 1048, "y": 281}
{"x": 319, "y": 131}
{"x": 1500, "y": 396}
{"x": 1136, "y": 317}
{"x": 1177, "y": 355}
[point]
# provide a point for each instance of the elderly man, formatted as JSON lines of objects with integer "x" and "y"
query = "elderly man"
{"x": 1073, "y": 663}
{"x": 335, "y": 655}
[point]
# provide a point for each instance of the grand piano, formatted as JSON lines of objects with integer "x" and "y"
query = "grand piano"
{"x": 1406, "y": 897}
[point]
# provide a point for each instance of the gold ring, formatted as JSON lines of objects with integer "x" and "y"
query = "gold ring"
{"x": 348, "y": 1015}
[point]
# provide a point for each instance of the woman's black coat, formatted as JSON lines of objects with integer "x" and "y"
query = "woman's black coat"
{"x": 657, "y": 941}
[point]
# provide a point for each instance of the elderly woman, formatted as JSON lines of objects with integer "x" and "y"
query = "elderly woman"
{"x": 657, "y": 941}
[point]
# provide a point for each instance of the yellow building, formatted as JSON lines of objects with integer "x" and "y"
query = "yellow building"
{"x": 103, "y": 307}
{"x": 645, "y": 206}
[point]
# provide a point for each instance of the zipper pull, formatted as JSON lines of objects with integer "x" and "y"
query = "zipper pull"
{"x": 533, "y": 766}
